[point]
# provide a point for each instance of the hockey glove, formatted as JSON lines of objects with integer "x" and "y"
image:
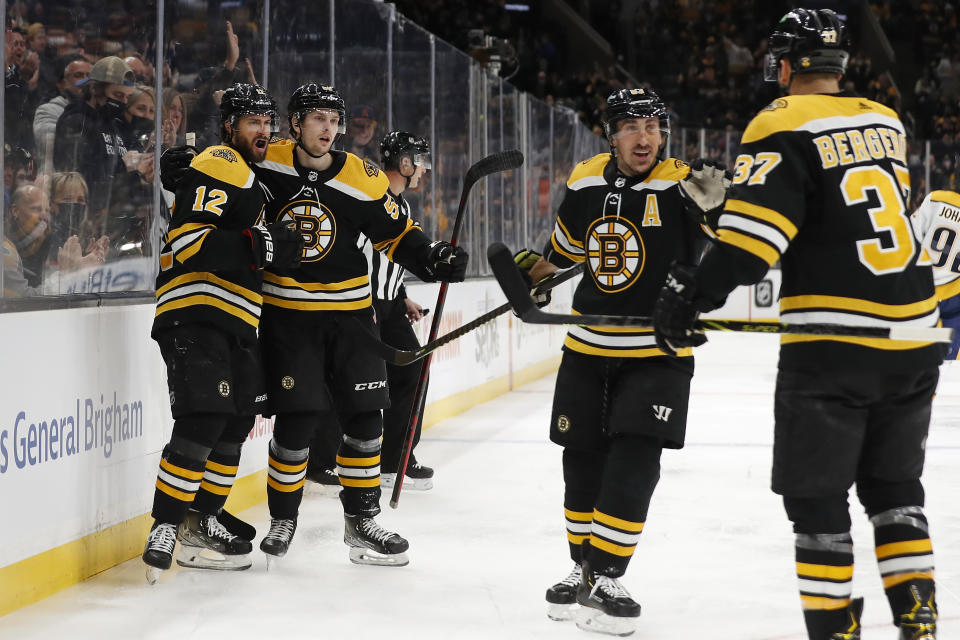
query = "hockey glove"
{"x": 444, "y": 262}
{"x": 706, "y": 185}
{"x": 174, "y": 165}
{"x": 525, "y": 259}
{"x": 675, "y": 312}
{"x": 275, "y": 245}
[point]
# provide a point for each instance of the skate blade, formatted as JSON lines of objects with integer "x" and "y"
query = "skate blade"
{"x": 562, "y": 612}
{"x": 203, "y": 558}
{"x": 153, "y": 575}
{"x": 589, "y": 619}
{"x": 362, "y": 555}
{"x": 414, "y": 484}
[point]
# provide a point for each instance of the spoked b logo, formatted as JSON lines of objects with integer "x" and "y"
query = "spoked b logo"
{"x": 615, "y": 253}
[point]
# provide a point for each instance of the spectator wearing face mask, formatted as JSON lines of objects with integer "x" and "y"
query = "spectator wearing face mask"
{"x": 69, "y": 71}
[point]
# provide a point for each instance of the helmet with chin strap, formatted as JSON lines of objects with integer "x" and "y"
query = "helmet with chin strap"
{"x": 813, "y": 40}
{"x": 397, "y": 145}
{"x": 627, "y": 104}
{"x": 315, "y": 97}
{"x": 245, "y": 99}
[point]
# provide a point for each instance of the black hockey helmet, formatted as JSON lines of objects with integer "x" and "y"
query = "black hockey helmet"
{"x": 312, "y": 97}
{"x": 813, "y": 40}
{"x": 246, "y": 99}
{"x": 397, "y": 144}
{"x": 624, "y": 104}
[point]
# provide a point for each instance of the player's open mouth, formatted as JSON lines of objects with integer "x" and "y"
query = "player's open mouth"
{"x": 260, "y": 143}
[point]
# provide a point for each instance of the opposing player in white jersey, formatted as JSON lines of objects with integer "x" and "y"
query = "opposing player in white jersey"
{"x": 937, "y": 221}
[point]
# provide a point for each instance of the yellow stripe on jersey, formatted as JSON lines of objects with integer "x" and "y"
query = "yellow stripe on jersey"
{"x": 792, "y": 112}
{"x": 873, "y": 343}
{"x": 759, "y": 248}
{"x": 224, "y": 164}
{"x": 363, "y": 176}
{"x": 670, "y": 169}
{"x": 187, "y": 227}
{"x": 907, "y": 547}
{"x": 563, "y": 252}
{"x": 212, "y": 301}
{"x": 900, "y": 578}
{"x": 281, "y": 152}
{"x": 393, "y": 244}
{"x": 770, "y": 216}
{"x": 951, "y": 198}
{"x": 306, "y": 305}
{"x": 204, "y": 276}
{"x": 284, "y": 281}
{"x": 948, "y": 290}
{"x": 830, "y": 572}
{"x": 794, "y": 303}
{"x": 590, "y": 168}
{"x": 822, "y": 603}
{"x": 619, "y": 523}
{"x": 650, "y": 352}
{"x": 568, "y": 235}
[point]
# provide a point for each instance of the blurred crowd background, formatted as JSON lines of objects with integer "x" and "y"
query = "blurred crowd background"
{"x": 90, "y": 102}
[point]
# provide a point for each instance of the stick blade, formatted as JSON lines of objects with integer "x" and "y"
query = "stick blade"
{"x": 494, "y": 163}
{"x": 508, "y": 277}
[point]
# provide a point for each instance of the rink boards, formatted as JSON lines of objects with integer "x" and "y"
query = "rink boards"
{"x": 84, "y": 414}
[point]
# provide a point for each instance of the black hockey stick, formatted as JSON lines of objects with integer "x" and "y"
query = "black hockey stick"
{"x": 401, "y": 357}
{"x": 494, "y": 163}
{"x": 508, "y": 275}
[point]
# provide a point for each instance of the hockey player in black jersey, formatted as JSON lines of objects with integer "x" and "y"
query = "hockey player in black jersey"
{"x": 208, "y": 311}
{"x": 619, "y": 400}
{"x": 313, "y": 364}
{"x": 821, "y": 184}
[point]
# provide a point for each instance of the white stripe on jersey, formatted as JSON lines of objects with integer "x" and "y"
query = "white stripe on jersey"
{"x": 589, "y": 181}
{"x": 279, "y": 167}
{"x": 385, "y": 276}
{"x": 768, "y": 232}
{"x": 856, "y": 320}
{"x": 654, "y": 185}
{"x": 561, "y": 239}
{"x": 211, "y": 289}
{"x": 291, "y": 293}
{"x": 357, "y": 194}
{"x": 584, "y": 334}
{"x": 851, "y": 122}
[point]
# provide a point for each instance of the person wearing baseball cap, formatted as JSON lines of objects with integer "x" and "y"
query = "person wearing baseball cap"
{"x": 361, "y": 127}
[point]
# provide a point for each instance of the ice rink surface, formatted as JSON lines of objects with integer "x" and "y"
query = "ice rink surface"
{"x": 715, "y": 561}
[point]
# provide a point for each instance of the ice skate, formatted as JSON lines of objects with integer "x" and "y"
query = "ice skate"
{"x": 417, "y": 478}
{"x": 372, "y": 544}
{"x": 236, "y": 526}
{"x": 323, "y": 481}
{"x": 920, "y": 623}
{"x": 606, "y": 607}
{"x": 278, "y": 539}
{"x": 562, "y": 597}
{"x": 206, "y": 544}
{"x": 158, "y": 552}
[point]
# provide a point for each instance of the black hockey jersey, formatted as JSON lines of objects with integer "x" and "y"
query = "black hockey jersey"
{"x": 206, "y": 274}
{"x": 332, "y": 208}
{"x": 821, "y": 184}
{"x": 628, "y": 231}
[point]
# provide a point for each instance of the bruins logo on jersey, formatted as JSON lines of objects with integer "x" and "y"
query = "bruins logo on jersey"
{"x": 317, "y": 225}
{"x": 615, "y": 253}
{"x": 779, "y": 103}
{"x": 224, "y": 154}
{"x": 372, "y": 170}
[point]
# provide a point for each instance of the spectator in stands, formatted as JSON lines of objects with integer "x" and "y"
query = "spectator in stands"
{"x": 70, "y": 70}
{"x": 28, "y": 228}
{"x": 71, "y": 230}
{"x": 18, "y": 168}
{"x": 361, "y": 127}
{"x": 21, "y": 83}
{"x": 89, "y": 137}
{"x": 14, "y": 283}
{"x": 174, "y": 116}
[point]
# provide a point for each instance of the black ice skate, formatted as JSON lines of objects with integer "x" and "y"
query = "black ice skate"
{"x": 206, "y": 544}
{"x": 277, "y": 540}
{"x": 323, "y": 481}
{"x": 372, "y": 544}
{"x": 417, "y": 477}
{"x": 920, "y": 623}
{"x": 158, "y": 552}
{"x": 562, "y": 597}
{"x": 606, "y": 606}
{"x": 851, "y": 630}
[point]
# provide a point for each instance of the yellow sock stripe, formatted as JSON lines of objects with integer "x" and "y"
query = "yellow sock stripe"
{"x": 288, "y": 468}
{"x": 286, "y": 488}
{"x": 619, "y": 523}
{"x": 222, "y": 469}
{"x": 610, "y": 547}
{"x": 360, "y": 482}
{"x": 182, "y": 496}
{"x": 180, "y": 471}
{"x": 806, "y": 570}
{"x": 214, "y": 488}
{"x": 578, "y": 516}
{"x": 899, "y": 578}
{"x": 907, "y": 547}
{"x": 822, "y": 603}
{"x": 576, "y": 538}
{"x": 358, "y": 462}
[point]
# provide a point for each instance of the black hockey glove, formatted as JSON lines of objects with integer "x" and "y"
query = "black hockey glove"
{"x": 444, "y": 262}
{"x": 525, "y": 259}
{"x": 675, "y": 312}
{"x": 278, "y": 245}
{"x": 705, "y": 187}
{"x": 174, "y": 165}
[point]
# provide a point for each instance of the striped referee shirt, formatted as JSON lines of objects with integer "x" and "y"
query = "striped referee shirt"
{"x": 386, "y": 277}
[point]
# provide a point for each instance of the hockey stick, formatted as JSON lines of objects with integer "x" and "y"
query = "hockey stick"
{"x": 491, "y": 164}
{"x": 508, "y": 275}
{"x": 401, "y": 357}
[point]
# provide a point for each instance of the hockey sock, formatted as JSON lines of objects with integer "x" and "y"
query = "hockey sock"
{"x": 222, "y": 464}
{"x": 825, "y": 574}
{"x": 630, "y": 475}
{"x": 286, "y": 471}
{"x": 904, "y": 555}
{"x": 581, "y": 485}
{"x": 178, "y": 479}
{"x": 358, "y": 463}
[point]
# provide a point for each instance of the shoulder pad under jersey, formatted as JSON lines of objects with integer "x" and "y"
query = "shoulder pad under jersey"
{"x": 361, "y": 179}
{"x": 589, "y": 172}
{"x": 224, "y": 164}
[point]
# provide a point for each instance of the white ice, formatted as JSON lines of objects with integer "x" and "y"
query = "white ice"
{"x": 715, "y": 560}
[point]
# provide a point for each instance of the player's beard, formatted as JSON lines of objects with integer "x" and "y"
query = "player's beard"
{"x": 248, "y": 150}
